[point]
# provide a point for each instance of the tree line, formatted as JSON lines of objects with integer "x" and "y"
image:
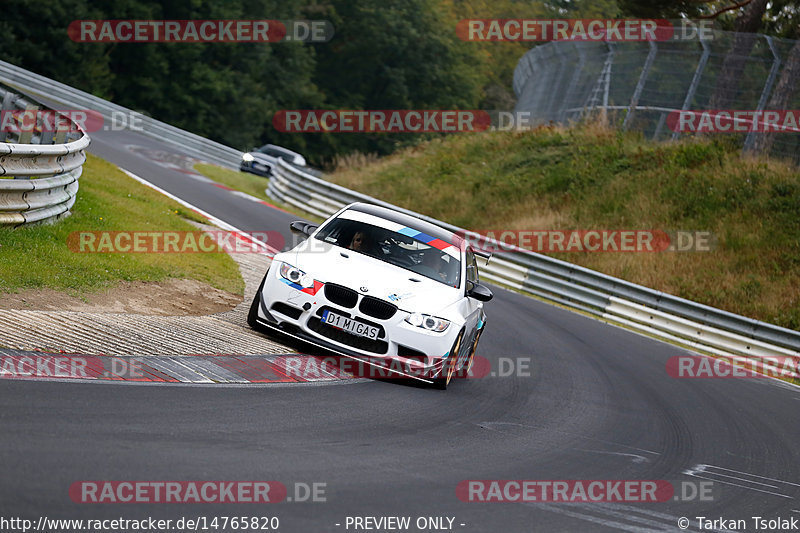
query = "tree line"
{"x": 385, "y": 54}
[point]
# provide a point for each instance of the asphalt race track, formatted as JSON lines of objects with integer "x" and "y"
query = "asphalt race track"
{"x": 595, "y": 403}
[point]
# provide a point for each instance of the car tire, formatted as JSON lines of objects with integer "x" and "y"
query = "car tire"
{"x": 471, "y": 359}
{"x": 252, "y": 315}
{"x": 449, "y": 366}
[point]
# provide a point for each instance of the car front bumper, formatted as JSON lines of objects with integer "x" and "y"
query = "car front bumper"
{"x": 297, "y": 312}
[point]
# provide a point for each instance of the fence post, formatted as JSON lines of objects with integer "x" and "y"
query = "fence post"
{"x": 607, "y": 69}
{"x": 698, "y": 73}
{"x": 651, "y": 55}
{"x": 762, "y": 101}
{"x": 602, "y": 83}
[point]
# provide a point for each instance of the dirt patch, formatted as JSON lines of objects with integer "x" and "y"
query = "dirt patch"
{"x": 164, "y": 298}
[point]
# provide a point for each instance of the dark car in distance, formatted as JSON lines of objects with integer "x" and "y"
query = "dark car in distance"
{"x": 261, "y": 161}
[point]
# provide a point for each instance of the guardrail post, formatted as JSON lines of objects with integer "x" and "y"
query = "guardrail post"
{"x": 25, "y": 135}
{"x": 651, "y": 55}
{"x": 762, "y": 101}
{"x": 7, "y": 105}
{"x": 47, "y": 137}
{"x": 61, "y": 135}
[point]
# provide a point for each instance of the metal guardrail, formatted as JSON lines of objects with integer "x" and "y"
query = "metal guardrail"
{"x": 38, "y": 180}
{"x": 192, "y": 144}
{"x": 637, "y": 307}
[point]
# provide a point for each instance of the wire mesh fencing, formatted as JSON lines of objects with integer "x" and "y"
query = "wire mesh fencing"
{"x": 737, "y": 84}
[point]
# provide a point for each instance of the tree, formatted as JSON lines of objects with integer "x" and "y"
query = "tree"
{"x": 391, "y": 54}
{"x": 747, "y": 24}
{"x": 34, "y": 35}
{"x": 781, "y": 19}
{"x": 672, "y": 9}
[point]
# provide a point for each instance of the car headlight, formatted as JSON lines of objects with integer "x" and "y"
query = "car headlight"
{"x": 295, "y": 275}
{"x": 431, "y": 323}
{"x": 247, "y": 158}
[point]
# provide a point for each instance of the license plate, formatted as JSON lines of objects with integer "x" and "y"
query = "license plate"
{"x": 349, "y": 325}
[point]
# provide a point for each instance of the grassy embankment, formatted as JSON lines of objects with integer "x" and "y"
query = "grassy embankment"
{"x": 108, "y": 200}
{"x": 588, "y": 177}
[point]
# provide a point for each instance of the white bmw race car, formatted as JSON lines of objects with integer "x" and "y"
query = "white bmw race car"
{"x": 380, "y": 286}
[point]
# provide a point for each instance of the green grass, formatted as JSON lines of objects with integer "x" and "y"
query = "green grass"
{"x": 590, "y": 177}
{"x": 108, "y": 200}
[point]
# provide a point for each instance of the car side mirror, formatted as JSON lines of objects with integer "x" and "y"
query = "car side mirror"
{"x": 298, "y": 226}
{"x": 480, "y": 292}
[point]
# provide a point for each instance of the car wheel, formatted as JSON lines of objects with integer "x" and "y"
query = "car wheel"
{"x": 252, "y": 315}
{"x": 449, "y": 366}
{"x": 471, "y": 359}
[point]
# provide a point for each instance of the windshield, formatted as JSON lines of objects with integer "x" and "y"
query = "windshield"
{"x": 274, "y": 151}
{"x": 393, "y": 248}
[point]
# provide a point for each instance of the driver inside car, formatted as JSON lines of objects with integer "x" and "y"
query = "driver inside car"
{"x": 431, "y": 265}
{"x": 364, "y": 242}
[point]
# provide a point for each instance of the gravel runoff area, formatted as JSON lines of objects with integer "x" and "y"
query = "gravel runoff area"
{"x": 126, "y": 334}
